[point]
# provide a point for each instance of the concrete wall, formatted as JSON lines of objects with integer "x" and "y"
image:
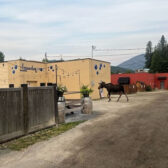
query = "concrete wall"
{"x": 26, "y": 110}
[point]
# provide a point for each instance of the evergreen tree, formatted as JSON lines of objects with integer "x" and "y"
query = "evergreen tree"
{"x": 162, "y": 43}
{"x": 159, "y": 61}
{"x": 155, "y": 63}
{"x": 148, "y": 55}
{"x": 45, "y": 60}
{"x": 2, "y": 56}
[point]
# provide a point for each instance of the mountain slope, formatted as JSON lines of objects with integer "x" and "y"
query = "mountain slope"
{"x": 137, "y": 62}
{"x": 116, "y": 69}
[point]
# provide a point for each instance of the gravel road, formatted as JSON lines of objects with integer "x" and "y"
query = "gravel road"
{"x": 130, "y": 134}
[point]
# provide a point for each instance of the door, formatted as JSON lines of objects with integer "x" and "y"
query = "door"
{"x": 162, "y": 85}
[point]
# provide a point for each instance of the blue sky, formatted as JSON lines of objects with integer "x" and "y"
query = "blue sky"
{"x": 28, "y": 29}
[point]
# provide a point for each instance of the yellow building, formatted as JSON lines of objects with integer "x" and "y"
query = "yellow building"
{"x": 72, "y": 74}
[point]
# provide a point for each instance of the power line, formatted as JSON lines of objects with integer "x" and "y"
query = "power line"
{"x": 95, "y": 55}
{"x": 115, "y": 55}
{"x": 68, "y": 56}
{"x": 119, "y": 49}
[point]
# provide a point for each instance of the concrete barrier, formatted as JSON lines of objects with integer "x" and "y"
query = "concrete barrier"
{"x": 87, "y": 105}
{"x": 61, "y": 112}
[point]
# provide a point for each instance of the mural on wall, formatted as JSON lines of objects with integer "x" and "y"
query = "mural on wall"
{"x": 32, "y": 68}
{"x": 51, "y": 68}
{"x": 98, "y": 68}
{"x": 25, "y": 68}
{"x": 14, "y": 68}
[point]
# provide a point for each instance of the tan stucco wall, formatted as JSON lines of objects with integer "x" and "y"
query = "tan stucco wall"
{"x": 4, "y": 83}
{"x": 72, "y": 74}
{"x": 25, "y": 72}
{"x": 14, "y": 73}
{"x": 99, "y": 71}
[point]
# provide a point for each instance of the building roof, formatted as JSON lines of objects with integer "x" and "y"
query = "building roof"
{"x": 80, "y": 60}
{"x": 25, "y": 61}
{"x": 55, "y": 61}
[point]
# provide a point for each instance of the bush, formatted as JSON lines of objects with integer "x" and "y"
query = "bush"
{"x": 148, "y": 88}
{"x": 61, "y": 88}
{"x": 85, "y": 91}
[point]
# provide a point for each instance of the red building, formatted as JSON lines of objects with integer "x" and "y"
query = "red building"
{"x": 158, "y": 80}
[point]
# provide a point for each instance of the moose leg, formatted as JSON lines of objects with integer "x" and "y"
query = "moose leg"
{"x": 119, "y": 97}
{"x": 109, "y": 96}
{"x": 126, "y": 96}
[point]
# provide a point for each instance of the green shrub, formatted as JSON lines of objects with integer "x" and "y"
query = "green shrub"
{"x": 148, "y": 88}
{"x": 61, "y": 88}
{"x": 85, "y": 91}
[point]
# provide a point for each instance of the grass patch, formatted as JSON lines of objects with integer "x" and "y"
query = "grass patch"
{"x": 42, "y": 135}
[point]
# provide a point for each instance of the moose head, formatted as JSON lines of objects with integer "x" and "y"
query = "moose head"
{"x": 101, "y": 85}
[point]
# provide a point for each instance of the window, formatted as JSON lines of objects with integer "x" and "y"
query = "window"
{"x": 49, "y": 84}
{"x": 11, "y": 85}
{"x": 124, "y": 81}
{"x": 42, "y": 84}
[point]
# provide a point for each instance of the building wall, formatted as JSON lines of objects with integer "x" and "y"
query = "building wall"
{"x": 157, "y": 81}
{"x": 26, "y": 72}
{"x": 143, "y": 77}
{"x": 99, "y": 71}
{"x": 4, "y": 83}
{"x": 147, "y": 78}
{"x": 72, "y": 74}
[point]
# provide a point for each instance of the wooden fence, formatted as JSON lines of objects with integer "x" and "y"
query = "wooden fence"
{"x": 133, "y": 88}
{"x": 25, "y": 110}
{"x": 130, "y": 89}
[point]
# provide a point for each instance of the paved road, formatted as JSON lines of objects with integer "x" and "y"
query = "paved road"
{"x": 124, "y": 135}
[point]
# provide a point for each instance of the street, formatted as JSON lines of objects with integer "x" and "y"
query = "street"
{"x": 124, "y": 134}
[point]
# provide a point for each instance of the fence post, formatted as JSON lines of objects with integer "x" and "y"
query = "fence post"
{"x": 55, "y": 104}
{"x": 25, "y": 108}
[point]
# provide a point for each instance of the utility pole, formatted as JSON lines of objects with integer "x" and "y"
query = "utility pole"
{"x": 45, "y": 56}
{"x": 61, "y": 57}
{"x": 93, "y": 48}
{"x": 56, "y": 71}
{"x": 79, "y": 78}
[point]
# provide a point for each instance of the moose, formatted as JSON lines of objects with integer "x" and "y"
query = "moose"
{"x": 113, "y": 89}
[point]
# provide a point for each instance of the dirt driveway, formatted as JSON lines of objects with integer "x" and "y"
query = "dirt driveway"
{"x": 124, "y": 135}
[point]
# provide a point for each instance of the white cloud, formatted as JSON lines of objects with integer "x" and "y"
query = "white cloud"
{"x": 29, "y": 28}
